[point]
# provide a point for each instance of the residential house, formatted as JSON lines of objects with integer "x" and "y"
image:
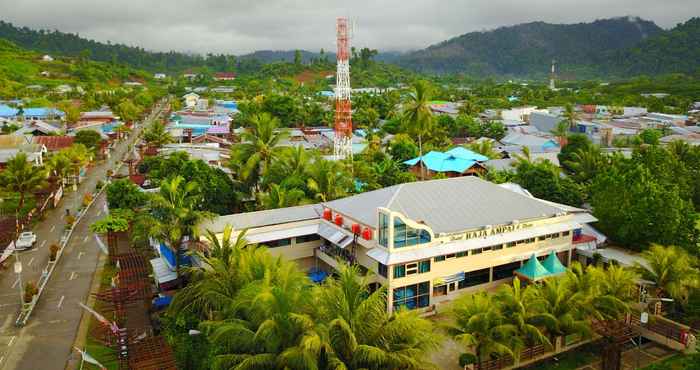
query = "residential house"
{"x": 54, "y": 143}
{"x": 159, "y": 76}
{"x": 224, "y": 76}
{"x": 455, "y": 162}
{"x": 11, "y": 145}
{"x": 37, "y": 128}
{"x": 190, "y": 100}
{"x": 445, "y": 107}
{"x": 47, "y": 58}
{"x": 96, "y": 118}
{"x": 533, "y": 142}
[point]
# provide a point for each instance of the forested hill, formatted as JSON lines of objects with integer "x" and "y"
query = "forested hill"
{"x": 673, "y": 51}
{"x": 528, "y": 49}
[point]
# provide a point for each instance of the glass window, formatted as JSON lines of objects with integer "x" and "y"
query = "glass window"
{"x": 461, "y": 254}
{"x": 511, "y": 244}
{"x": 439, "y": 258}
{"x": 407, "y": 236}
{"x": 278, "y": 243}
{"x": 541, "y": 238}
{"x": 424, "y": 236}
{"x": 383, "y": 230}
{"x": 451, "y": 255}
{"x": 565, "y": 233}
{"x": 307, "y": 238}
{"x": 412, "y": 296}
{"x": 399, "y": 271}
{"x": 424, "y": 266}
{"x": 382, "y": 269}
{"x": 399, "y": 233}
{"x": 505, "y": 271}
{"x": 476, "y": 251}
{"x": 477, "y": 277}
{"x": 439, "y": 290}
{"x": 486, "y": 249}
{"x": 412, "y": 268}
{"x": 497, "y": 247}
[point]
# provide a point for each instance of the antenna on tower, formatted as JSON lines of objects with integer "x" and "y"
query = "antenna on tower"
{"x": 552, "y": 75}
{"x": 342, "y": 140}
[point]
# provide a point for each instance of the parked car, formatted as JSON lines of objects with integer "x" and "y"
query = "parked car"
{"x": 26, "y": 240}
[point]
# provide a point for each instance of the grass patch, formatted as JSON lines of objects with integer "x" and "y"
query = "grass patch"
{"x": 678, "y": 361}
{"x": 105, "y": 355}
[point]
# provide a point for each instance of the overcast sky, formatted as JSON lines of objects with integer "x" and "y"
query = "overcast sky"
{"x": 242, "y": 26}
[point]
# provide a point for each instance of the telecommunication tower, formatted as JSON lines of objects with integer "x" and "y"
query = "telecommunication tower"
{"x": 342, "y": 141}
{"x": 552, "y": 75}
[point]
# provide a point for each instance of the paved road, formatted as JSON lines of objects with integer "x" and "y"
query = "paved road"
{"x": 45, "y": 342}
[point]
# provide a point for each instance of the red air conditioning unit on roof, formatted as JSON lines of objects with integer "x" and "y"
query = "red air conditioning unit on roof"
{"x": 356, "y": 229}
{"x": 327, "y": 214}
{"x": 338, "y": 220}
{"x": 367, "y": 233}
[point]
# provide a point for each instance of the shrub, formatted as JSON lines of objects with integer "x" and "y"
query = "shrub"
{"x": 30, "y": 290}
{"x": 87, "y": 198}
{"x": 99, "y": 185}
{"x": 70, "y": 220}
{"x": 466, "y": 359}
{"x": 53, "y": 251}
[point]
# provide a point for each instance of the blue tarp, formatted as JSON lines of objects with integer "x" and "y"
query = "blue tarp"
{"x": 169, "y": 256}
{"x": 454, "y": 160}
{"x": 318, "y": 276}
{"x": 162, "y": 302}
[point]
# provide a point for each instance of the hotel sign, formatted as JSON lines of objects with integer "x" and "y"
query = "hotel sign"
{"x": 501, "y": 229}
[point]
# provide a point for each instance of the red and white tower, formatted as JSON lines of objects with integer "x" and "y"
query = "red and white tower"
{"x": 342, "y": 142}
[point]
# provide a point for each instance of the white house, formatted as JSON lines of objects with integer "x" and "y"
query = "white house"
{"x": 159, "y": 76}
{"x": 190, "y": 100}
{"x": 47, "y": 58}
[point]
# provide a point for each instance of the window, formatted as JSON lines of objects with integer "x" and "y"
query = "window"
{"x": 405, "y": 236}
{"x": 510, "y": 245}
{"x": 424, "y": 266}
{"x": 566, "y": 233}
{"x": 505, "y": 271}
{"x": 399, "y": 271}
{"x": 439, "y": 258}
{"x": 412, "y": 296}
{"x": 462, "y": 254}
{"x": 412, "y": 268}
{"x": 382, "y": 269}
{"x": 486, "y": 249}
{"x": 307, "y": 238}
{"x": 476, "y": 251}
{"x": 439, "y": 290}
{"x": 278, "y": 243}
{"x": 451, "y": 255}
{"x": 477, "y": 277}
{"x": 497, "y": 247}
{"x": 383, "y": 230}
{"x": 541, "y": 238}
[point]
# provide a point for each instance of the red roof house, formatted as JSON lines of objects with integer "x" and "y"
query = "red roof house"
{"x": 224, "y": 76}
{"x": 54, "y": 143}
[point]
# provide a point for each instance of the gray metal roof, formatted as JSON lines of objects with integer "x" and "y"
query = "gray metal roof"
{"x": 448, "y": 205}
{"x": 269, "y": 217}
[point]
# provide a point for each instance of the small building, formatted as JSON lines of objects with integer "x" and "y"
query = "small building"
{"x": 519, "y": 114}
{"x": 43, "y": 113}
{"x": 11, "y": 145}
{"x": 95, "y": 118}
{"x": 538, "y": 143}
{"x": 224, "y": 76}
{"x": 190, "y": 99}
{"x": 63, "y": 89}
{"x": 445, "y": 107}
{"x": 54, "y": 143}
{"x": 37, "y": 128}
{"x": 455, "y": 162}
{"x": 189, "y": 75}
{"x": 159, "y": 76}
{"x": 47, "y": 58}
{"x": 133, "y": 84}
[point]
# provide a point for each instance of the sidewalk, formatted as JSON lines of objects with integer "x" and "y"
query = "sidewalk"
{"x": 45, "y": 342}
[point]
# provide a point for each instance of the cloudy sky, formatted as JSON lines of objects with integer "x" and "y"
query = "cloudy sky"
{"x": 241, "y": 26}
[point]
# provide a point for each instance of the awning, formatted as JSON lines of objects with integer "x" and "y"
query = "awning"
{"x": 383, "y": 256}
{"x": 449, "y": 279}
{"x": 335, "y": 235}
{"x": 162, "y": 272}
{"x": 282, "y": 234}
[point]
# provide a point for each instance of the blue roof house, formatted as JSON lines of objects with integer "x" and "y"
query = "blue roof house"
{"x": 455, "y": 162}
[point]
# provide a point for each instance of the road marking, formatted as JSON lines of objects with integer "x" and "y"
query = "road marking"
{"x": 15, "y": 284}
{"x": 60, "y": 302}
{"x": 85, "y": 238}
{"x": 53, "y": 228}
{"x": 2, "y": 358}
{"x": 43, "y": 243}
{"x": 80, "y": 254}
{"x": 30, "y": 262}
{"x": 73, "y": 275}
{"x": 12, "y": 340}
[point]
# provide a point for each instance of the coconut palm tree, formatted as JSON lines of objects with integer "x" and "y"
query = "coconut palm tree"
{"x": 554, "y": 298}
{"x": 361, "y": 334}
{"x": 279, "y": 197}
{"x": 561, "y": 132}
{"x": 586, "y": 162}
{"x": 79, "y": 156}
{"x": 21, "y": 177}
{"x": 485, "y": 147}
{"x": 570, "y": 116}
{"x": 516, "y": 306}
{"x": 417, "y": 116}
{"x": 174, "y": 215}
{"x": 329, "y": 180}
{"x": 157, "y": 135}
{"x": 593, "y": 297}
{"x": 258, "y": 148}
{"x": 482, "y": 328}
{"x": 671, "y": 269}
{"x": 59, "y": 165}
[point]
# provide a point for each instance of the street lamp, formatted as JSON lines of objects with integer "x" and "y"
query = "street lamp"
{"x": 18, "y": 271}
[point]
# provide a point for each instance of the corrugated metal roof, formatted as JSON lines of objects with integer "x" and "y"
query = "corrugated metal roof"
{"x": 456, "y": 159}
{"x": 448, "y": 205}
{"x": 246, "y": 220}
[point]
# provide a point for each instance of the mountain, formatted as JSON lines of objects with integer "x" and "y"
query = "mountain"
{"x": 528, "y": 49}
{"x": 674, "y": 51}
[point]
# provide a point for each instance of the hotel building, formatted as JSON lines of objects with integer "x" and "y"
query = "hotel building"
{"x": 426, "y": 242}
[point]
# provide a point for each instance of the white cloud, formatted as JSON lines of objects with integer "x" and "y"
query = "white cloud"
{"x": 242, "y": 26}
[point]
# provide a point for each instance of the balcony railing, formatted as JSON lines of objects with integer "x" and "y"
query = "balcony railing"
{"x": 336, "y": 252}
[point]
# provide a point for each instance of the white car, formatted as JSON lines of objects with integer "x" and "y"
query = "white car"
{"x": 25, "y": 241}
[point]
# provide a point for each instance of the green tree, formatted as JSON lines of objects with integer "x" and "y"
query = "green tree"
{"x": 157, "y": 135}
{"x": 403, "y": 148}
{"x": 329, "y": 180}
{"x": 574, "y": 143}
{"x": 672, "y": 271}
{"x": 252, "y": 158}
{"x": 90, "y": 138}
{"x": 417, "y": 116}
{"x": 21, "y": 177}
{"x": 127, "y": 111}
{"x": 279, "y": 197}
{"x": 124, "y": 194}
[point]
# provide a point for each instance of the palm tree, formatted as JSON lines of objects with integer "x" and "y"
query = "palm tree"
{"x": 79, "y": 156}
{"x": 258, "y": 148}
{"x": 593, "y": 297}
{"x": 482, "y": 328}
{"x": 586, "y": 162}
{"x": 59, "y": 165}
{"x": 570, "y": 116}
{"x": 157, "y": 135}
{"x": 174, "y": 215}
{"x": 516, "y": 306}
{"x": 361, "y": 334}
{"x": 20, "y": 176}
{"x": 554, "y": 298}
{"x": 417, "y": 116}
{"x": 329, "y": 180}
{"x": 279, "y": 197}
{"x": 671, "y": 269}
{"x": 291, "y": 167}
{"x": 485, "y": 147}
{"x": 561, "y": 131}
